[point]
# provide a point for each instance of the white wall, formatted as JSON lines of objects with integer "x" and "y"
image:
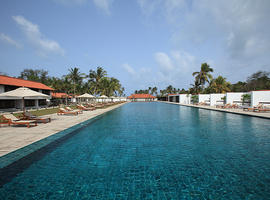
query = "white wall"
{"x": 234, "y": 97}
{"x": 184, "y": 98}
{"x": 215, "y": 99}
{"x": 204, "y": 98}
{"x": 2, "y": 89}
{"x": 73, "y": 100}
{"x": 260, "y": 97}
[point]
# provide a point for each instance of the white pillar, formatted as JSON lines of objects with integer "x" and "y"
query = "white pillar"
{"x": 36, "y": 103}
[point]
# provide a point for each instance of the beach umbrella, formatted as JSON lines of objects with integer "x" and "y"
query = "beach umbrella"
{"x": 23, "y": 93}
{"x": 86, "y": 96}
{"x": 112, "y": 97}
{"x": 103, "y": 97}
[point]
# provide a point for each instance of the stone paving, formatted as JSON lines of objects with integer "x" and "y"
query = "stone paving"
{"x": 16, "y": 137}
{"x": 235, "y": 111}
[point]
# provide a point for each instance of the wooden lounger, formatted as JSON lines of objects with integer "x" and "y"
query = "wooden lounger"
{"x": 254, "y": 109}
{"x": 70, "y": 109}
{"x": 29, "y": 116}
{"x": 12, "y": 120}
{"x": 81, "y": 107}
{"x": 262, "y": 110}
{"x": 62, "y": 111}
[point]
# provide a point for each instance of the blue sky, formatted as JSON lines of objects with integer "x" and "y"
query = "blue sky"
{"x": 141, "y": 42}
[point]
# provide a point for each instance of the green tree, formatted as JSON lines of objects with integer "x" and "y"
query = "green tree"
{"x": 239, "y": 87}
{"x": 35, "y": 75}
{"x": 149, "y": 90}
{"x": 95, "y": 79}
{"x": 246, "y": 98}
{"x": 154, "y": 91}
{"x": 204, "y": 75}
{"x": 169, "y": 89}
{"x": 259, "y": 81}
{"x": 76, "y": 77}
{"x": 220, "y": 85}
{"x": 110, "y": 86}
{"x": 195, "y": 89}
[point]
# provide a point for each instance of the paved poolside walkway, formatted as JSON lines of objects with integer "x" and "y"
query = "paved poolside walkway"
{"x": 16, "y": 137}
{"x": 234, "y": 111}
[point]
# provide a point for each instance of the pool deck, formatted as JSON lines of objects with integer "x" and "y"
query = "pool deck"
{"x": 16, "y": 137}
{"x": 265, "y": 115}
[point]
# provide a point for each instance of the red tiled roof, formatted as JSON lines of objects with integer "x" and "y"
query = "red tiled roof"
{"x": 141, "y": 96}
{"x": 60, "y": 95}
{"x": 6, "y": 80}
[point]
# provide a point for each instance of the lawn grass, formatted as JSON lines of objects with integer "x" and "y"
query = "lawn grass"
{"x": 46, "y": 111}
{"x": 37, "y": 112}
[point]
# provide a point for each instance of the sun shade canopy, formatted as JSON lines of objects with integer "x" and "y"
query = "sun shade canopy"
{"x": 86, "y": 95}
{"x": 23, "y": 93}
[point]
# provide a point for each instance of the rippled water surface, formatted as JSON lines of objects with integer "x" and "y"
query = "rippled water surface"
{"x": 154, "y": 151}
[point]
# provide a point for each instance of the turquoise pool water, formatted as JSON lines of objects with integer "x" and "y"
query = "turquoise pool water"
{"x": 152, "y": 151}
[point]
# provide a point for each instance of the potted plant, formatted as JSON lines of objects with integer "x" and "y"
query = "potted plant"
{"x": 194, "y": 99}
{"x": 246, "y": 99}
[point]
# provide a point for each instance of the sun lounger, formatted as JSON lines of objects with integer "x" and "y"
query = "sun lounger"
{"x": 262, "y": 110}
{"x": 70, "y": 109}
{"x": 30, "y": 116}
{"x": 62, "y": 111}
{"x": 81, "y": 107}
{"x": 254, "y": 109}
{"x": 99, "y": 105}
{"x": 229, "y": 106}
{"x": 220, "y": 106}
{"x": 235, "y": 106}
{"x": 200, "y": 104}
{"x": 12, "y": 120}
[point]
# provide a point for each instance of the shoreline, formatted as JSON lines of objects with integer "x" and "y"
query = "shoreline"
{"x": 264, "y": 115}
{"x": 15, "y": 138}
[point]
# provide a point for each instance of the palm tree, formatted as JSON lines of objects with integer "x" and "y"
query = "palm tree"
{"x": 195, "y": 89}
{"x": 110, "y": 86}
{"x": 75, "y": 77}
{"x": 169, "y": 89}
{"x": 149, "y": 90}
{"x": 204, "y": 75}
{"x": 154, "y": 91}
{"x": 162, "y": 92}
{"x": 115, "y": 86}
{"x": 121, "y": 91}
{"x": 95, "y": 78}
{"x": 220, "y": 85}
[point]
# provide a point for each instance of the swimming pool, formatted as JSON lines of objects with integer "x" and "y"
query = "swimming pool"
{"x": 153, "y": 151}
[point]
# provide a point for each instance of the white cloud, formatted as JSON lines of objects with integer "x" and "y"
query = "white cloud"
{"x": 240, "y": 27}
{"x": 104, "y": 5}
{"x": 148, "y": 6}
{"x": 164, "y": 61}
{"x": 8, "y": 39}
{"x": 43, "y": 45}
{"x": 129, "y": 69}
{"x": 175, "y": 68}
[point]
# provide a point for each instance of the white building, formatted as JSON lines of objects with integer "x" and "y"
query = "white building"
{"x": 216, "y": 99}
